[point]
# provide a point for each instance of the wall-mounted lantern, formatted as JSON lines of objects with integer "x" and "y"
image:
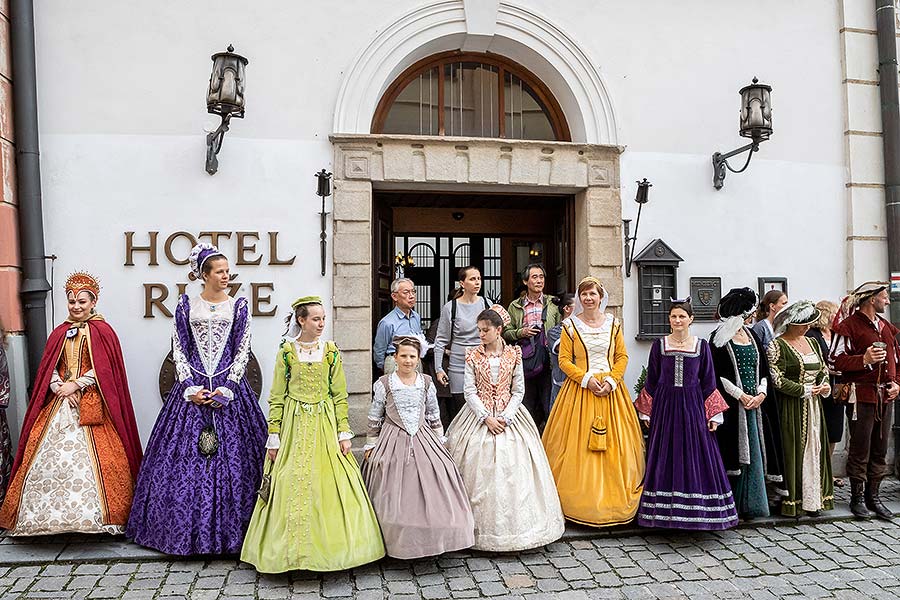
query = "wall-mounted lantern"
{"x": 225, "y": 98}
{"x": 324, "y": 190}
{"x": 630, "y": 240}
{"x": 756, "y": 124}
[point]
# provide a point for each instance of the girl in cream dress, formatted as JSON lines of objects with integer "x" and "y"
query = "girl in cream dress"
{"x": 496, "y": 446}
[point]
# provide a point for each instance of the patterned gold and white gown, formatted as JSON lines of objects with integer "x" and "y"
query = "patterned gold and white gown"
{"x": 75, "y": 476}
{"x": 61, "y": 491}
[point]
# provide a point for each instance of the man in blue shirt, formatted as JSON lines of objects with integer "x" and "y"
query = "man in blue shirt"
{"x": 403, "y": 320}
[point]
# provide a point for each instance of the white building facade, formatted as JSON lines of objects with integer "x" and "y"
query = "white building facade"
{"x": 646, "y": 90}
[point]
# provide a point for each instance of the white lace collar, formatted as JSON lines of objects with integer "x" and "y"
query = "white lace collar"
{"x": 396, "y": 382}
{"x": 585, "y": 328}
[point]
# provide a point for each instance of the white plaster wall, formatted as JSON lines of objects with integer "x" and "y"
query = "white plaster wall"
{"x": 157, "y": 183}
{"x": 725, "y": 234}
{"x": 121, "y": 93}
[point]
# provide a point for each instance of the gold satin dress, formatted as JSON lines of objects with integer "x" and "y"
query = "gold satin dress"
{"x": 596, "y": 488}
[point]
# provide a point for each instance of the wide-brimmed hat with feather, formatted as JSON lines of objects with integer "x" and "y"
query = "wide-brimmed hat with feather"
{"x": 803, "y": 312}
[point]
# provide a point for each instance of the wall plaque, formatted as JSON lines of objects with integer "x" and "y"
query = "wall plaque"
{"x": 705, "y": 295}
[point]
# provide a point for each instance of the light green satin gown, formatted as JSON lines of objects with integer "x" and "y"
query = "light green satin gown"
{"x": 319, "y": 516}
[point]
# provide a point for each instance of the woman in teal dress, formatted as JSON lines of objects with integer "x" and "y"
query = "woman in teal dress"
{"x": 750, "y": 437}
{"x": 318, "y": 516}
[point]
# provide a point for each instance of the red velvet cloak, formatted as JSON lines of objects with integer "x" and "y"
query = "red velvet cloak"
{"x": 109, "y": 370}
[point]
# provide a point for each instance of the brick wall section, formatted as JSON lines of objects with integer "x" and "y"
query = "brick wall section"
{"x": 10, "y": 258}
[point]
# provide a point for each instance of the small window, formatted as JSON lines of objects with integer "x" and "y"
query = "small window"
{"x": 470, "y": 95}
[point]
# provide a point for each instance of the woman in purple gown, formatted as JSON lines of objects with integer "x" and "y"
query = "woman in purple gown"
{"x": 685, "y": 485}
{"x": 197, "y": 485}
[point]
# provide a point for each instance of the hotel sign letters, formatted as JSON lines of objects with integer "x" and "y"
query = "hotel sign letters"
{"x": 248, "y": 249}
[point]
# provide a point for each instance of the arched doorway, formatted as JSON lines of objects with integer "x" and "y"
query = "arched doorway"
{"x": 576, "y": 184}
{"x": 470, "y": 94}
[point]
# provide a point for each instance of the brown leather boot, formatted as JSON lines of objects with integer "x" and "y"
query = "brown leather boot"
{"x": 874, "y": 503}
{"x": 857, "y": 501}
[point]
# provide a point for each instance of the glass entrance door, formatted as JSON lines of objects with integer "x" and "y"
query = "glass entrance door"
{"x": 433, "y": 263}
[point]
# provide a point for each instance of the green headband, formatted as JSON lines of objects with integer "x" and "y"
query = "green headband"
{"x": 306, "y": 300}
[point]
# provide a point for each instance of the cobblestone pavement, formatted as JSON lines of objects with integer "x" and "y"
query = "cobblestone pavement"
{"x": 847, "y": 559}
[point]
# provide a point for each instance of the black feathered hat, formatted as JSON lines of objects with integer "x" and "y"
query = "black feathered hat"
{"x": 737, "y": 302}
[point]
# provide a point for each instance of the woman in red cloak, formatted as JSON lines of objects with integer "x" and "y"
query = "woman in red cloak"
{"x": 79, "y": 451}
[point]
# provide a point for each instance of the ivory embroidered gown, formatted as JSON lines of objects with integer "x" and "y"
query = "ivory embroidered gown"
{"x": 415, "y": 487}
{"x": 507, "y": 477}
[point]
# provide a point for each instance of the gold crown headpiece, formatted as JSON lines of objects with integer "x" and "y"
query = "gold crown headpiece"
{"x": 81, "y": 281}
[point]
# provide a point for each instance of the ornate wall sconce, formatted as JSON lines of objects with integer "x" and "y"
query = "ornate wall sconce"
{"x": 324, "y": 190}
{"x": 641, "y": 198}
{"x": 225, "y": 98}
{"x": 756, "y": 124}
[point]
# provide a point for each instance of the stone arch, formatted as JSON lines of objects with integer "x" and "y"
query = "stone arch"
{"x": 518, "y": 33}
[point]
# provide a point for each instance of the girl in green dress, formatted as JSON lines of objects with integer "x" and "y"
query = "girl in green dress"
{"x": 318, "y": 516}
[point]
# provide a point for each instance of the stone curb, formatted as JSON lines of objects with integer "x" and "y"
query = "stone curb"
{"x": 92, "y": 549}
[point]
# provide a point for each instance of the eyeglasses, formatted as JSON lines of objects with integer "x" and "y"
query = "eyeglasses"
{"x": 406, "y": 292}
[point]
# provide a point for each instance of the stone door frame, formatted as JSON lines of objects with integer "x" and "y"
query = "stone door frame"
{"x": 364, "y": 162}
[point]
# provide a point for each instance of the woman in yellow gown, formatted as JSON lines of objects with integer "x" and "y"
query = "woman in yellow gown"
{"x": 318, "y": 516}
{"x": 593, "y": 438}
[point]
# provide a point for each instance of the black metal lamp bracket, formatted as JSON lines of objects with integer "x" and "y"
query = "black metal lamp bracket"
{"x": 721, "y": 166}
{"x": 323, "y": 235}
{"x": 631, "y": 240}
{"x": 214, "y": 144}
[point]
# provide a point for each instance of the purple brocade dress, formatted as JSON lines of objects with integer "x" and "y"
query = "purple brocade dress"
{"x": 184, "y": 502}
{"x": 685, "y": 484}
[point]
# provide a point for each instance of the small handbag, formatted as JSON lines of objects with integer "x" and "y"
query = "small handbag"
{"x": 265, "y": 486}
{"x": 844, "y": 393}
{"x": 597, "y": 437}
{"x": 208, "y": 440}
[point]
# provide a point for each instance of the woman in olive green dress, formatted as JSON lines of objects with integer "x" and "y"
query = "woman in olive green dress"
{"x": 318, "y": 516}
{"x": 800, "y": 378}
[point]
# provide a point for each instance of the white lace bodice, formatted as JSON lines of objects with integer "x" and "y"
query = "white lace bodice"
{"x": 211, "y": 327}
{"x": 408, "y": 400}
{"x": 597, "y": 341}
{"x": 494, "y": 362}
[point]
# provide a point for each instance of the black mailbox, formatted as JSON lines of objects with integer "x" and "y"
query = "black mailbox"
{"x": 657, "y": 283}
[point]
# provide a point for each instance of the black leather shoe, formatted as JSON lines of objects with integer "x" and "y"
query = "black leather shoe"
{"x": 874, "y": 503}
{"x": 857, "y": 501}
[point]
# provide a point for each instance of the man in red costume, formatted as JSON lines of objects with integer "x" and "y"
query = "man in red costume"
{"x": 79, "y": 451}
{"x": 865, "y": 351}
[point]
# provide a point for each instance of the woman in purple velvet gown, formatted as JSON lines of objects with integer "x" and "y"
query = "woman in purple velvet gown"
{"x": 685, "y": 485}
{"x": 197, "y": 485}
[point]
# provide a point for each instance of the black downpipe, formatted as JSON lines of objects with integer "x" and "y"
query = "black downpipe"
{"x": 890, "y": 126}
{"x": 28, "y": 173}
